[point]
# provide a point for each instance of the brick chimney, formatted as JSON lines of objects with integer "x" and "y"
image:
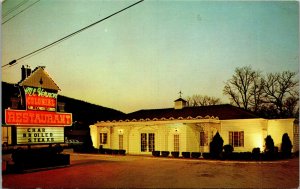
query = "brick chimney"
{"x": 25, "y": 72}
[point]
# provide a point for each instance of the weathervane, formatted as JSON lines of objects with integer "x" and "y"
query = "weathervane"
{"x": 180, "y": 93}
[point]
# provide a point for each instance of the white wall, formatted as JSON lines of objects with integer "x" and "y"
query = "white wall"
{"x": 94, "y": 135}
{"x": 277, "y": 127}
{"x": 254, "y": 131}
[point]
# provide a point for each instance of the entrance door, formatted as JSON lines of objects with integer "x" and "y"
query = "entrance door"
{"x": 147, "y": 142}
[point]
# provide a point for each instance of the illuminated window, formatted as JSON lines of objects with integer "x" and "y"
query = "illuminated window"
{"x": 176, "y": 142}
{"x": 236, "y": 138}
{"x": 147, "y": 145}
{"x": 120, "y": 142}
{"x": 203, "y": 139}
{"x": 103, "y": 138}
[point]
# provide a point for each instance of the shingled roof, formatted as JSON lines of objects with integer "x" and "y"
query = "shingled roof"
{"x": 223, "y": 112}
{"x": 39, "y": 78}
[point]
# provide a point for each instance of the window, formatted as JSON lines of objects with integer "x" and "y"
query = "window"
{"x": 147, "y": 145}
{"x": 203, "y": 139}
{"x": 144, "y": 142}
{"x": 120, "y": 142}
{"x": 103, "y": 138}
{"x": 151, "y": 142}
{"x": 176, "y": 142}
{"x": 236, "y": 138}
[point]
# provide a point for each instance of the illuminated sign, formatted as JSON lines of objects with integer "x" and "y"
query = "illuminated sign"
{"x": 40, "y": 103}
{"x": 22, "y": 117}
{"x": 40, "y": 99}
{"x": 38, "y": 135}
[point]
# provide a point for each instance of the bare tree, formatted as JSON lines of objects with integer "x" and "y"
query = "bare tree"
{"x": 256, "y": 92}
{"x": 282, "y": 90}
{"x": 200, "y": 100}
{"x": 275, "y": 95}
{"x": 244, "y": 88}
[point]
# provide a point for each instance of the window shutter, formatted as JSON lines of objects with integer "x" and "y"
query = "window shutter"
{"x": 230, "y": 138}
{"x": 241, "y": 138}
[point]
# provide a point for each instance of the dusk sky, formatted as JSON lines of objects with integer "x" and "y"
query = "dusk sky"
{"x": 142, "y": 57}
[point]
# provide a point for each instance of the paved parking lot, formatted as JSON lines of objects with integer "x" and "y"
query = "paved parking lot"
{"x": 107, "y": 171}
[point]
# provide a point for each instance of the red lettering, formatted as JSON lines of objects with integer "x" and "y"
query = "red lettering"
{"x": 29, "y": 117}
{"x": 25, "y": 117}
{"x": 10, "y": 117}
{"x": 19, "y": 117}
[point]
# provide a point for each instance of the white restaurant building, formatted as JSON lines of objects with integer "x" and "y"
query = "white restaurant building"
{"x": 190, "y": 129}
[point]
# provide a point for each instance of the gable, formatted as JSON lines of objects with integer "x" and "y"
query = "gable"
{"x": 39, "y": 78}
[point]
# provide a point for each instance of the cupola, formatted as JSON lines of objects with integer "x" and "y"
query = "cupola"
{"x": 180, "y": 102}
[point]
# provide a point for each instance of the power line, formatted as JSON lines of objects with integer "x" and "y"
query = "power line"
{"x": 20, "y": 12}
{"x": 14, "y": 8}
{"x": 14, "y": 62}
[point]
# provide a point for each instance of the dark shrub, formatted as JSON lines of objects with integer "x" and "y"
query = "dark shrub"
{"x": 206, "y": 155}
{"x": 286, "y": 146}
{"x": 101, "y": 149}
{"x": 215, "y": 146}
{"x": 256, "y": 153}
{"x": 246, "y": 156}
{"x": 156, "y": 153}
{"x": 175, "y": 154}
{"x": 108, "y": 151}
{"x": 269, "y": 148}
{"x": 122, "y": 152}
{"x": 115, "y": 152}
{"x": 196, "y": 154}
{"x": 186, "y": 154}
{"x": 275, "y": 149}
{"x": 228, "y": 149}
{"x": 165, "y": 153}
{"x": 235, "y": 156}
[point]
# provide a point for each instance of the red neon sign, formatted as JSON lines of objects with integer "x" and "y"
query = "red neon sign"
{"x": 39, "y": 118}
{"x": 40, "y": 99}
{"x": 40, "y": 103}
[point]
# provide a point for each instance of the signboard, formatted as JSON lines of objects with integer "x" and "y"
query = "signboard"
{"x": 40, "y": 135}
{"x": 40, "y": 99}
{"x": 37, "y": 118}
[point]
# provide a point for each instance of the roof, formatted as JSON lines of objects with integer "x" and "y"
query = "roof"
{"x": 223, "y": 112}
{"x": 39, "y": 78}
{"x": 180, "y": 99}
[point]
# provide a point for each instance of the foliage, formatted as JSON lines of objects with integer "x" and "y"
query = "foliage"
{"x": 269, "y": 147}
{"x": 274, "y": 95}
{"x": 286, "y": 146}
{"x": 256, "y": 153}
{"x": 227, "y": 151}
{"x": 243, "y": 87}
{"x": 199, "y": 100}
{"x": 175, "y": 154}
{"x": 165, "y": 153}
{"x": 195, "y": 154}
{"x": 186, "y": 154}
{"x": 216, "y": 146}
{"x": 206, "y": 155}
{"x": 156, "y": 153}
{"x": 228, "y": 148}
